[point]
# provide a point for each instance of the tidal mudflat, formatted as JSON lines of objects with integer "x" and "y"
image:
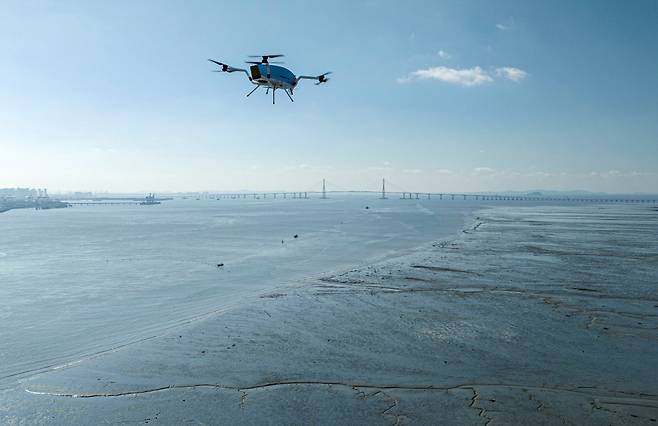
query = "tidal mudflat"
{"x": 531, "y": 315}
{"x": 81, "y": 281}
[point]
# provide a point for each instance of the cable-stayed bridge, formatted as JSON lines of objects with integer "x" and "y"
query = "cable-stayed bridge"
{"x": 384, "y": 192}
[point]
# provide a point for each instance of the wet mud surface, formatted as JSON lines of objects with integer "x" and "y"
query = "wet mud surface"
{"x": 543, "y": 315}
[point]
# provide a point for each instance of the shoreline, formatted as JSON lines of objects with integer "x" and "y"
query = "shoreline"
{"x": 474, "y": 329}
{"x": 38, "y": 205}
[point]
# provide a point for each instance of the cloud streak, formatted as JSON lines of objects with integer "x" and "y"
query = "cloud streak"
{"x": 443, "y": 54}
{"x": 467, "y": 77}
{"x": 511, "y": 73}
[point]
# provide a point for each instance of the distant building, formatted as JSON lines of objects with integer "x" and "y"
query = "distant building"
{"x": 83, "y": 195}
{"x": 18, "y": 193}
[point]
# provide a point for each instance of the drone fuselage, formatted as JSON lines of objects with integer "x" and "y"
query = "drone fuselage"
{"x": 272, "y": 76}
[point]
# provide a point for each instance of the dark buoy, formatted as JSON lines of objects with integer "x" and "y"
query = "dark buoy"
{"x": 295, "y": 236}
{"x": 367, "y": 207}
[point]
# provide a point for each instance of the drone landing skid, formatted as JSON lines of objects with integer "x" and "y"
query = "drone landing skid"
{"x": 255, "y": 88}
{"x": 273, "y": 93}
{"x": 285, "y": 90}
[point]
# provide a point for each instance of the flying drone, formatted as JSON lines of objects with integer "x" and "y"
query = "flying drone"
{"x": 273, "y": 77}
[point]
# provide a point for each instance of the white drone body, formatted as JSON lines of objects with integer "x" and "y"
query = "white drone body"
{"x": 271, "y": 76}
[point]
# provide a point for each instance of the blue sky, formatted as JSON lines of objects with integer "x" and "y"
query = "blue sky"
{"x": 440, "y": 96}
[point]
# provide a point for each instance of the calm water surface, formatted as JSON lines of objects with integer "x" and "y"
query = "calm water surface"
{"x": 78, "y": 281}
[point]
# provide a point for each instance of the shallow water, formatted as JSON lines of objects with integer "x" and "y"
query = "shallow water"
{"x": 78, "y": 281}
{"x": 528, "y": 316}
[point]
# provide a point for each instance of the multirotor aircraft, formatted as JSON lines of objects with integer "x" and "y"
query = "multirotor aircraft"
{"x": 273, "y": 77}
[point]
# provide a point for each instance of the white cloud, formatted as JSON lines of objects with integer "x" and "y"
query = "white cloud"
{"x": 445, "y": 171}
{"x": 511, "y": 73}
{"x": 539, "y": 174}
{"x": 636, "y": 173}
{"x": 464, "y": 77}
{"x": 503, "y": 27}
{"x": 385, "y": 167}
{"x": 443, "y": 54}
{"x": 99, "y": 150}
{"x": 467, "y": 77}
{"x": 483, "y": 170}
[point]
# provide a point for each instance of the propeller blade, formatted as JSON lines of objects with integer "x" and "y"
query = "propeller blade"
{"x": 260, "y": 62}
{"x": 322, "y": 79}
{"x": 225, "y": 67}
{"x": 265, "y": 56}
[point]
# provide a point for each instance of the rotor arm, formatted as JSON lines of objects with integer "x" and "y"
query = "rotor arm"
{"x": 227, "y": 68}
{"x": 241, "y": 70}
{"x": 319, "y": 78}
{"x": 304, "y": 77}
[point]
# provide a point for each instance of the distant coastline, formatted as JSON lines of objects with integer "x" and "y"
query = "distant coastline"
{"x": 6, "y": 205}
